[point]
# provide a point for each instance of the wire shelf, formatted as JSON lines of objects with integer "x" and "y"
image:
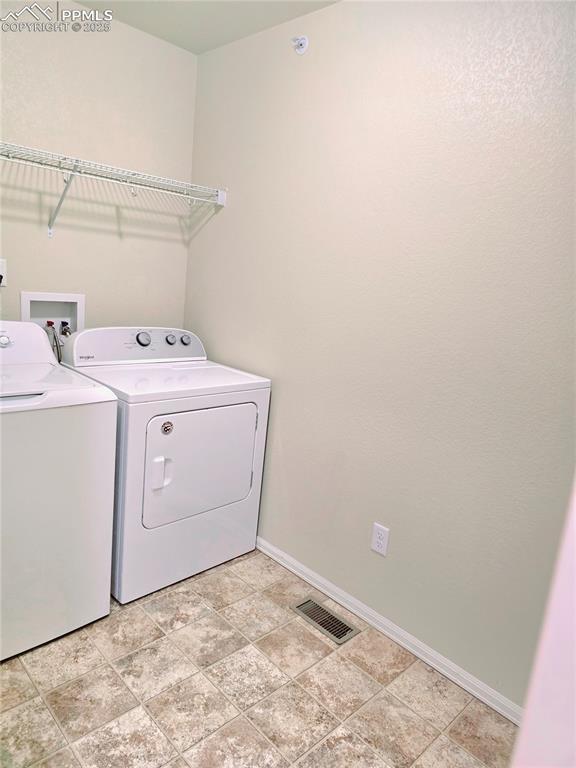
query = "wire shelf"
{"x": 132, "y": 180}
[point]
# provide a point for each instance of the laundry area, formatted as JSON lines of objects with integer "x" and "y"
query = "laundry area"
{"x": 287, "y": 384}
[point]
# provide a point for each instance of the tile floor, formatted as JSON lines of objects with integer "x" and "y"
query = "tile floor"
{"x": 218, "y": 672}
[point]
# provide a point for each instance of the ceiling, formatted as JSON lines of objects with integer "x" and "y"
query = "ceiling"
{"x": 200, "y": 25}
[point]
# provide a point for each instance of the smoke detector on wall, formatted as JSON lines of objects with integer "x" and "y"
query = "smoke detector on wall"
{"x": 300, "y": 44}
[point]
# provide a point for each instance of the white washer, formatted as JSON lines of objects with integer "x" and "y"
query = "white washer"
{"x": 190, "y": 453}
{"x": 58, "y": 433}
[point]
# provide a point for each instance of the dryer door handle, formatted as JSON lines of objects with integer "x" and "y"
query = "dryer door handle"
{"x": 160, "y": 473}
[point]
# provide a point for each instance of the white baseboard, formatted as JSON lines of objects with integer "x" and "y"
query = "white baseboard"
{"x": 434, "y": 659}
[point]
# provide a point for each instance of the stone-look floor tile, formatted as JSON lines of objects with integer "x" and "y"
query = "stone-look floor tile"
{"x": 210, "y": 571}
{"x": 89, "y": 702}
{"x": 62, "y": 660}
{"x": 237, "y": 745}
{"x": 175, "y": 608}
{"x": 394, "y": 731}
{"x": 208, "y": 639}
{"x": 291, "y": 590}
{"x": 246, "y": 677}
{"x": 259, "y": 571}
{"x": 124, "y": 631}
{"x": 430, "y": 694}
{"x": 154, "y": 668}
{"x": 445, "y": 754}
{"x": 377, "y": 655}
{"x": 116, "y": 606}
{"x": 345, "y": 614}
{"x": 222, "y": 588}
{"x": 256, "y": 615}
{"x": 158, "y": 593}
{"x": 190, "y": 711}
{"x": 131, "y": 741}
{"x": 292, "y": 720}
{"x": 179, "y": 762}
{"x": 293, "y": 648}
{"x": 342, "y": 749}
{"x": 15, "y": 685}
{"x": 62, "y": 759}
{"x": 27, "y": 734}
{"x": 339, "y": 685}
{"x": 186, "y": 587}
{"x": 241, "y": 558}
{"x": 485, "y": 733}
{"x": 316, "y": 632}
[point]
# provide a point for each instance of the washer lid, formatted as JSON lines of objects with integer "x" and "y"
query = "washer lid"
{"x": 46, "y": 385}
{"x": 30, "y": 377}
{"x": 135, "y": 383}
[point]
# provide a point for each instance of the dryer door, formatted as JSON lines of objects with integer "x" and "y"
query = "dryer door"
{"x": 197, "y": 461}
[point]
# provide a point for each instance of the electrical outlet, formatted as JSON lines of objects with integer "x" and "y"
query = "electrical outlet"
{"x": 3, "y": 270}
{"x": 380, "y": 536}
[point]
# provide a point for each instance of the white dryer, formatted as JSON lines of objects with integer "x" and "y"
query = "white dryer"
{"x": 190, "y": 453}
{"x": 58, "y": 440}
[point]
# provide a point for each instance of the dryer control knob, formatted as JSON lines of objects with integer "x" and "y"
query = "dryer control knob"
{"x": 186, "y": 339}
{"x": 143, "y": 338}
{"x": 171, "y": 339}
{"x": 4, "y": 341}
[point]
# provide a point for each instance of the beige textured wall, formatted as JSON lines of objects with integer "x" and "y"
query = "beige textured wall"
{"x": 397, "y": 256}
{"x": 121, "y": 98}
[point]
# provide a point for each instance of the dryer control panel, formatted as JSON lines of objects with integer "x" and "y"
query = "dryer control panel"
{"x": 109, "y": 346}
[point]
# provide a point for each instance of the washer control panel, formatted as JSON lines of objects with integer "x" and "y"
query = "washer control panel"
{"x": 23, "y": 342}
{"x": 106, "y": 346}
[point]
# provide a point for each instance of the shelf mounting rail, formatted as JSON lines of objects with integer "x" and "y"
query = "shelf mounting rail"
{"x": 73, "y": 167}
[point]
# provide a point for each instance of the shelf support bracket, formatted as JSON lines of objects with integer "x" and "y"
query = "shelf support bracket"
{"x": 56, "y": 210}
